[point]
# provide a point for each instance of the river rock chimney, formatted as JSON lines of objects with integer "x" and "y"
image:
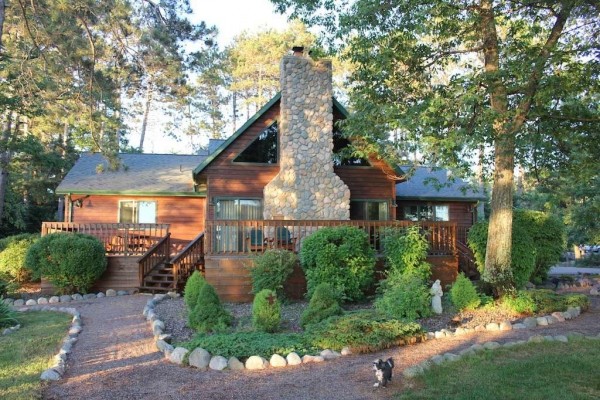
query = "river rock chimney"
{"x": 306, "y": 186}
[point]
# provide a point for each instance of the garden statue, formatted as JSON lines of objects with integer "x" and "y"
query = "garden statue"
{"x": 436, "y": 301}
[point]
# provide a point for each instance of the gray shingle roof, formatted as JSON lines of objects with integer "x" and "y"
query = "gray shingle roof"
{"x": 433, "y": 184}
{"x": 143, "y": 173}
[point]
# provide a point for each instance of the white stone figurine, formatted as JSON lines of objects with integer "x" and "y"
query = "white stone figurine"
{"x": 436, "y": 301}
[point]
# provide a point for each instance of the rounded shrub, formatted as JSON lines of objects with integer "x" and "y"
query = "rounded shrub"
{"x": 463, "y": 294}
{"x": 340, "y": 256}
{"x": 8, "y": 317}
{"x": 323, "y": 304}
{"x": 72, "y": 262}
{"x": 192, "y": 289}
{"x": 208, "y": 315}
{"x": 523, "y": 254}
{"x": 407, "y": 298}
{"x": 266, "y": 311}
{"x": 13, "y": 251}
{"x": 271, "y": 269}
{"x": 405, "y": 252}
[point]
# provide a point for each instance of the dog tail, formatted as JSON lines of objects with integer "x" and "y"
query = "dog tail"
{"x": 390, "y": 361}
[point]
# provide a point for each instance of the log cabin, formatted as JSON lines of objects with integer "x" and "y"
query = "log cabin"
{"x": 278, "y": 178}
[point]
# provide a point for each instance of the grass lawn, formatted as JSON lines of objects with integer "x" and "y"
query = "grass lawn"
{"x": 27, "y": 352}
{"x": 532, "y": 371}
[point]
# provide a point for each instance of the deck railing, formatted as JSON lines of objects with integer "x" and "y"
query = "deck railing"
{"x": 188, "y": 259}
{"x": 118, "y": 239}
{"x": 156, "y": 255}
{"x": 242, "y": 237}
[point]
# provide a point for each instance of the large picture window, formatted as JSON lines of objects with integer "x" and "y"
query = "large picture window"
{"x": 245, "y": 209}
{"x": 425, "y": 212}
{"x": 137, "y": 212}
{"x": 371, "y": 210}
{"x": 263, "y": 150}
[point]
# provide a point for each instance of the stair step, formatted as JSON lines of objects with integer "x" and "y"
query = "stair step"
{"x": 155, "y": 289}
{"x": 159, "y": 274}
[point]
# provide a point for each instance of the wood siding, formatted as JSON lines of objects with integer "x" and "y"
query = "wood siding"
{"x": 185, "y": 215}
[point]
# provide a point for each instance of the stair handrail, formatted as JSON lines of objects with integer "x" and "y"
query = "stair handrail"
{"x": 187, "y": 258}
{"x": 157, "y": 254}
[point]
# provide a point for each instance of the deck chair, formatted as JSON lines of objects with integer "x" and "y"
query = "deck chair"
{"x": 256, "y": 241}
{"x": 284, "y": 239}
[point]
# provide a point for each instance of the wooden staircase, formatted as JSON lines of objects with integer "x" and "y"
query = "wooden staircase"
{"x": 466, "y": 260}
{"x": 159, "y": 273}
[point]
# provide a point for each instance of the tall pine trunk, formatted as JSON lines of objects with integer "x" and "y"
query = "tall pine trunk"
{"x": 146, "y": 114}
{"x": 5, "y": 157}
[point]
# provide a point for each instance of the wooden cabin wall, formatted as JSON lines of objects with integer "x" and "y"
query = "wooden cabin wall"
{"x": 186, "y": 215}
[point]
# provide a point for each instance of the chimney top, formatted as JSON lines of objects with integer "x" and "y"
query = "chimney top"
{"x": 298, "y": 51}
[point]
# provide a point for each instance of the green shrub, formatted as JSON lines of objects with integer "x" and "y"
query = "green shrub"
{"x": 543, "y": 301}
{"x": 463, "y": 294}
{"x": 523, "y": 256}
{"x": 340, "y": 256}
{"x": 323, "y": 304}
{"x": 266, "y": 311}
{"x": 192, "y": 289}
{"x": 363, "y": 331}
{"x": 71, "y": 262}
{"x": 407, "y": 298}
{"x": 13, "y": 251}
{"x": 521, "y": 303}
{"x": 246, "y": 344}
{"x": 7, "y": 315}
{"x": 271, "y": 269}
{"x": 548, "y": 235}
{"x": 405, "y": 251}
{"x": 208, "y": 314}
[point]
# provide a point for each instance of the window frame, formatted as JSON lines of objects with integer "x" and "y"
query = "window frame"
{"x": 136, "y": 215}
{"x": 216, "y": 201}
{"x": 365, "y": 210}
{"x": 253, "y": 141}
{"x": 419, "y": 206}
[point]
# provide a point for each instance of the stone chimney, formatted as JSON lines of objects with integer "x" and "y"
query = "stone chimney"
{"x": 306, "y": 186}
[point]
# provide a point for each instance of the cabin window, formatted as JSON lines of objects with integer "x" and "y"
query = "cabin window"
{"x": 244, "y": 209}
{"x": 342, "y": 154}
{"x": 371, "y": 210}
{"x": 426, "y": 212}
{"x": 137, "y": 212}
{"x": 263, "y": 149}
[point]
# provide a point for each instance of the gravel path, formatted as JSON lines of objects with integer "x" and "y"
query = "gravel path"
{"x": 115, "y": 359}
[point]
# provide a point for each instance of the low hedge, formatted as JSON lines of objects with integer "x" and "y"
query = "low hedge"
{"x": 544, "y": 301}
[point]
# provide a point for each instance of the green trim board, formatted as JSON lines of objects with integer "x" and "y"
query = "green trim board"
{"x": 133, "y": 193}
{"x": 235, "y": 135}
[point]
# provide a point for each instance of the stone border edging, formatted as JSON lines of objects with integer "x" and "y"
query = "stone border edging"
{"x": 438, "y": 359}
{"x": 67, "y": 298}
{"x": 56, "y": 371}
{"x": 202, "y": 359}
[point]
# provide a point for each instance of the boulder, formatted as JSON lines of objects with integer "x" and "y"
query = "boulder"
{"x": 567, "y": 315}
{"x": 542, "y": 321}
{"x": 100, "y": 295}
{"x": 9, "y": 301}
{"x": 466, "y": 352}
{"x": 163, "y": 346}
{"x": 480, "y": 328}
{"x": 312, "y": 359}
{"x": 234, "y": 364}
{"x": 439, "y": 334}
{"x": 65, "y": 298}
{"x": 506, "y": 326}
{"x": 19, "y": 303}
{"x": 330, "y": 354}
{"x": 277, "y": 361}
{"x": 477, "y": 347}
{"x": 111, "y": 293}
{"x": 491, "y": 345}
{"x": 345, "y": 351}
{"x": 561, "y": 338}
{"x": 594, "y": 291}
{"x": 551, "y": 320}
{"x": 42, "y": 300}
{"x": 75, "y": 330}
{"x": 530, "y": 322}
{"x": 50, "y": 375}
{"x": 165, "y": 336}
{"x": 89, "y": 296}
{"x": 460, "y": 331}
{"x": 256, "y": 362}
{"x": 492, "y": 326}
{"x": 509, "y": 344}
{"x": 437, "y": 359}
{"x": 294, "y": 359}
{"x": 430, "y": 335}
{"x": 413, "y": 371}
{"x": 200, "y": 358}
{"x": 451, "y": 357}
{"x": 549, "y": 338}
{"x": 536, "y": 339}
{"x": 77, "y": 297}
{"x": 177, "y": 355}
{"x": 218, "y": 363}
{"x": 559, "y": 316}
{"x": 31, "y": 302}
{"x": 122, "y": 292}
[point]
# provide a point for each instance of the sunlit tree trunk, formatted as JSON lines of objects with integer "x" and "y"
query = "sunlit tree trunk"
{"x": 146, "y": 114}
{"x": 4, "y": 158}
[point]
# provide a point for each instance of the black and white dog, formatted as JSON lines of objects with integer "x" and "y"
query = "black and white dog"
{"x": 383, "y": 371}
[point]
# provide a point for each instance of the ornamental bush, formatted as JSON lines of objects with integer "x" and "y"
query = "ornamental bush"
{"x": 543, "y": 301}
{"x": 271, "y": 270}
{"x": 405, "y": 252}
{"x": 13, "y": 251}
{"x": 340, "y": 256}
{"x": 323, "y": 304}
{"x": 266, "y": 311}
{"x": 72, "y": 262}
{"x": 362, "y": 331}
{"x": 208, "y": 315}
{"x": 8, "y": 317}
{"x": 192, "y": 289}
{"x": 408, "y": 298}
{"x": 463, "y": 294}
{"x": 523, "y": 253}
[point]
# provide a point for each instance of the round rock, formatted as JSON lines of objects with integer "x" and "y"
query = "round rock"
{"x": 218, "y": 363}
{"x": 50, "y": 375}
{"x": 19, "y": 303}
{"x": 177, "y": 355}
{"x": 111, "y": 293}
{"x": 293, "y": 359}
{"x": 100, "y": 295}
{"x": 277, "y": 361}
{"x": 65, "y": 298}
{"x": 199, "y": 358}
{"x": 256, "y": 362}
{"x": 234, "y": 364}
{"x": 31, "y": 302}
{"x": 42, "y": 300}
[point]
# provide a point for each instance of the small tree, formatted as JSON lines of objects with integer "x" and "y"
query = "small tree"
{"x": 192, "y": 289}
{"x": 463, "y": 294}
{"x": 271, "y": 270}
{"x": 323, "y": 304}
{"x": 266, "y": 311}
{"x": 405, "y": 252}
{"x": 208, "y": 314}
{"x": 408, "y": 298}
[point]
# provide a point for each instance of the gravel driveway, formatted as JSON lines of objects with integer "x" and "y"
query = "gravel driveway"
{"x": 115, "y": 359}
